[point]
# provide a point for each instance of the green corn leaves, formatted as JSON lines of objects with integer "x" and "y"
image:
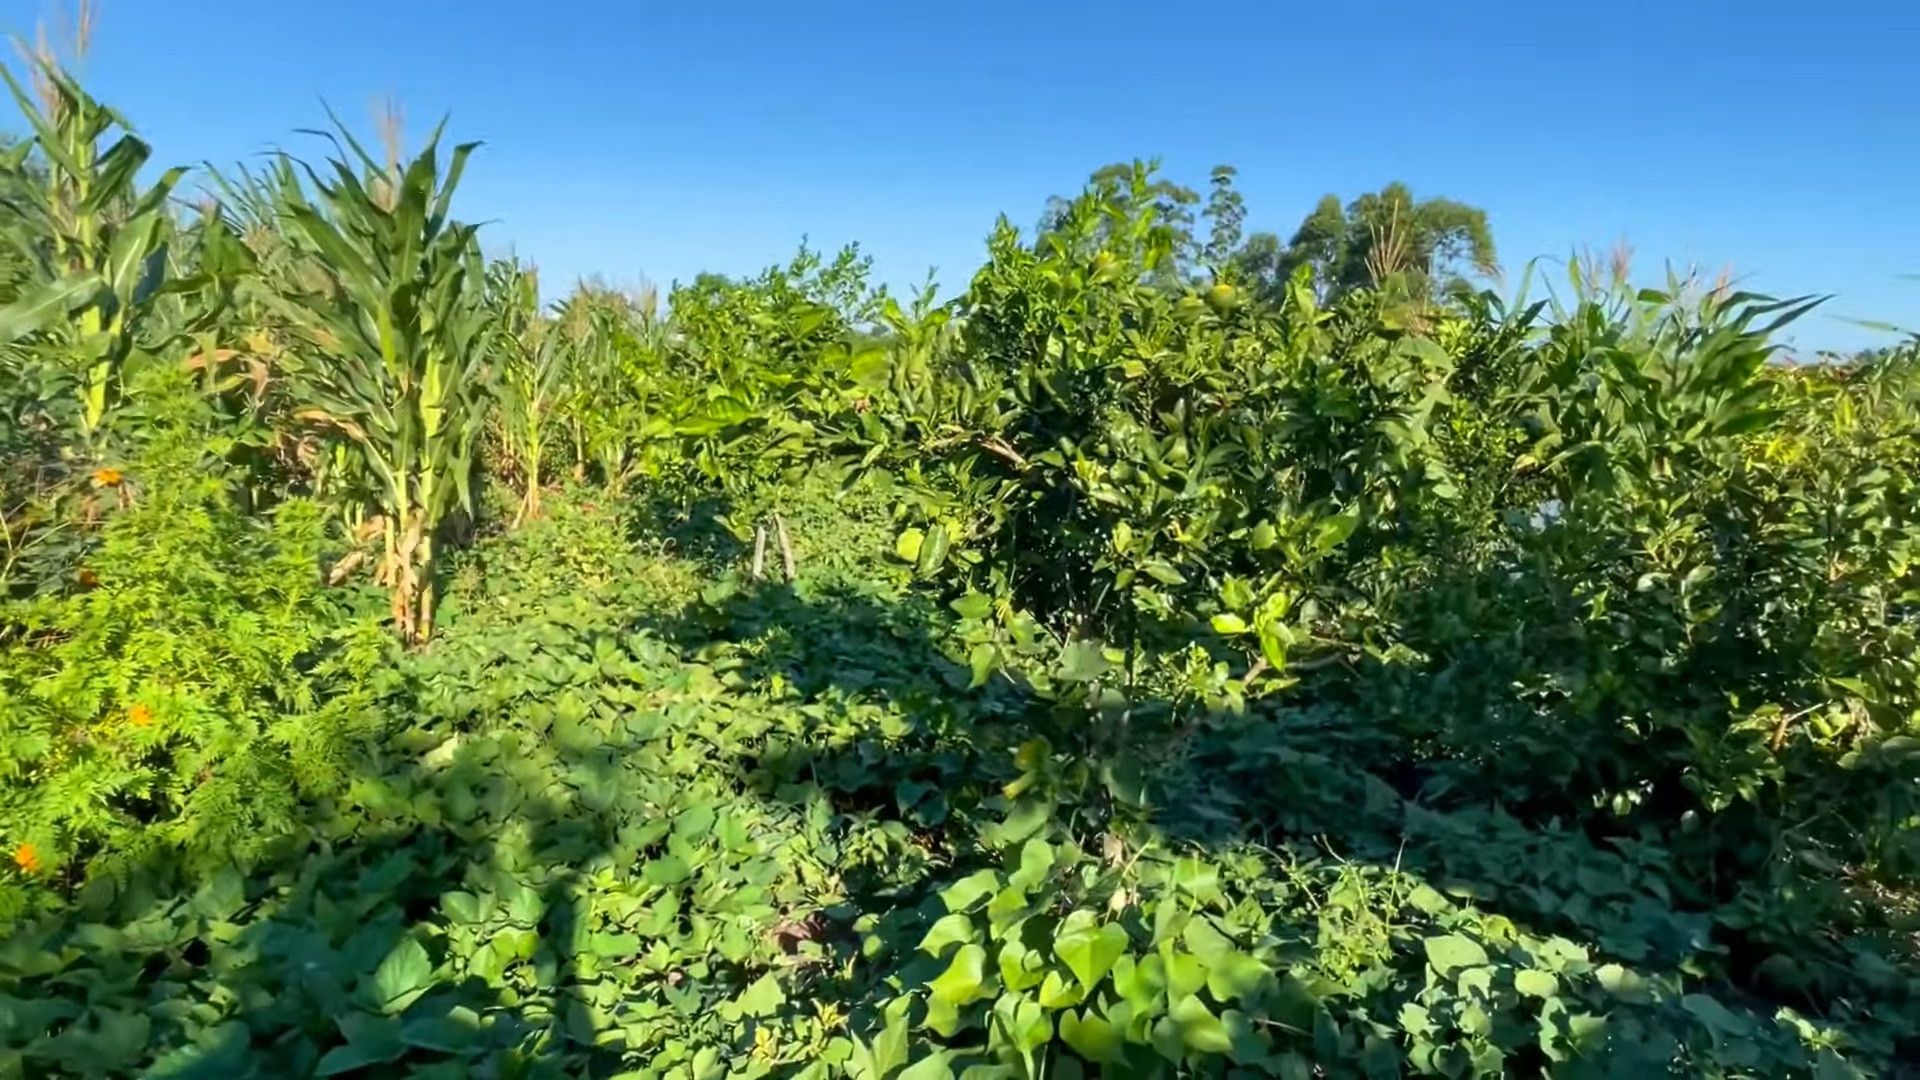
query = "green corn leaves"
{"x": 387, "y": 303}
{"x": 96, "y": 245}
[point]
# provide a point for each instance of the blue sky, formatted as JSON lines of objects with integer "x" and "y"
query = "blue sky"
{"x": 643, "y": 139}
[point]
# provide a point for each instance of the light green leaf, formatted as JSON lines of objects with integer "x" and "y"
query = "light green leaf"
{"x": 763, "y": 998}
{"x": 402, "y": 976}
{"x": 933, "y": 551}
{"x": 371, "y": 1040}
{"x": 952, "y": 929}
{"x": 935, "y": 1066}
{"x": 1089, "y": 951}
{"x": 1236, "y": 975}
{"x": 453, "y": 1032}
{"x": 1536, "y": 983}
{"x": 666, "y": 870}
{"x": 1331, "y": 532}
{"x": 964, "y": 981}
{"x": 970, "y": 891}
{"x": 1083, "y": 661}
{"x": 1093, "y": 1037}
{"x": 1163, "y": 572}
{"x": 44, "y": 305}
{"x": 1058, "y": 993}
{"x": 973, "y": 605}
{"x": 1199, "y": 1029}
{"x": 1450, "y": 952}
{"x": 1025, "y": 1024}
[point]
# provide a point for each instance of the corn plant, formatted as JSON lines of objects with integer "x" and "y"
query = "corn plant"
{"x": 535, "y": 357}
{"x": 617, "y": 413}
{"x": 93, "y": 241}
{"x": 391, "y": 333}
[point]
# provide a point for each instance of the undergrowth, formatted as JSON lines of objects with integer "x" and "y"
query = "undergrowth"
{"x": 634, "y": 816}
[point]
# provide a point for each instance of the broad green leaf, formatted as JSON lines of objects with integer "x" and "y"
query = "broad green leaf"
{"x": 763, "y": 998}
{"x": 1331, "y": 532}
{"x": 1140, "y": 982}
{"x": 1451, "y": 952}
{"x": 1024, "y": 1024}
{"x": 666, "y": 870}
{"x": 952, "y": 929}
{"x": 962, "y": 984}
{"x": 456, "y": 1031}
{"x": 1058, "y": 993}
{"x": 1622, "y": 982}
{"x": 1199, "y": 1029}
{"x": 1083, "y": 661}
{"x": 909, "y": 544}
{"x": 971, "y": 891}
{"x": 935, "y": 1066}
{"x": 1717, "y": 1018}
{"x": 964, "y": 981}
{"x": 1236, "y": 976}
{"x": 972, "y": 605}
{"x": 402, "y": 976}
{"x": 46, "y": 304}
{"x": 1092, "y": 1037}
{"x": 370, "y": 1041}
{"x": 1021, "y": 968}
{"x": 1185, "y": 972}
{"x": 933, "y": 551}
{"x": 1027, "y": 818}
{"x": 1536, "y": 983}
{"x": 889, "y": 1049}
{"x": 1036, "y": 864}
{"x": 1089, "y": 950}
{"x": 1163, "y": 572}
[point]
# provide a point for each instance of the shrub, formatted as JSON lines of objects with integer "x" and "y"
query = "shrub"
{"x": 186, "y": 692}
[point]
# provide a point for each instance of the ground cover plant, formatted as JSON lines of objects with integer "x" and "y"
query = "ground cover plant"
{"x": 1172, "y": 655}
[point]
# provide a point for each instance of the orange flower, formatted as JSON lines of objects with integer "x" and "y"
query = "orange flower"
{"x": 139, "y": 716}
{"x": 27, "y": 858}
{"x": 107, "y": 477}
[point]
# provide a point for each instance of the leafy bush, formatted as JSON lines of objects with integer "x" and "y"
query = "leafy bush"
{"x": 191, "y": 687}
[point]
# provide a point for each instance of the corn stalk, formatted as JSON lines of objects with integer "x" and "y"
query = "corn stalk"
{"x": 95, "y": 243}
{"x": 536, "y": 358}
{"x": 392, "y": 329}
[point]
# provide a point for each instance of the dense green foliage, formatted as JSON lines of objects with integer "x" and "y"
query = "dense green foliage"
{"x": 1152, "y": 661}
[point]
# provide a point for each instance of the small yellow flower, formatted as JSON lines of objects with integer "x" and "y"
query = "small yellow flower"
{"x": 27, "y": 858}
{"x": 139, "y": 715}
{"x": 765, "y": 1045}
{"x": 107, "y": 477}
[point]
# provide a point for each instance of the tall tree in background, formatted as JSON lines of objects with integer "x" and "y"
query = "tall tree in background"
{"x": 1226, "y": 214}
{"x": 1423, "y": 246}
{"x": 1415, "y": 248}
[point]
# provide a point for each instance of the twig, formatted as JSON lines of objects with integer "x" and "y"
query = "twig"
{"x": 1780, "y": 728}
{"x": 759, "y": 551}
{"x": 998, "y": 447}
{"x": 786, "y": 546}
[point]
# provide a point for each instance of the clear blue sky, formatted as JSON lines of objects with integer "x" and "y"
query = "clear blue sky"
{"x": 633, "y": 138}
